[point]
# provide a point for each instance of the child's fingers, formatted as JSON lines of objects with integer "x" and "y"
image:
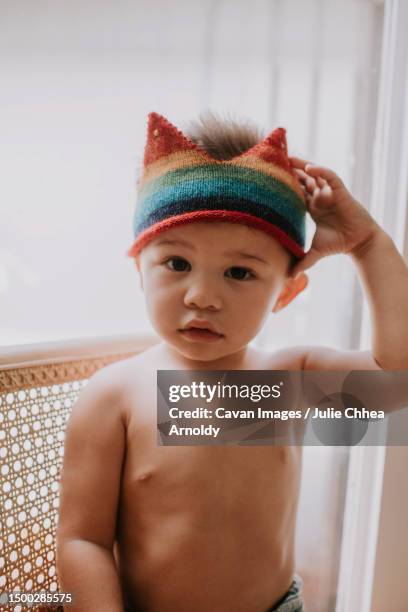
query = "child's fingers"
{"x": 306, "y": 180}
{"x": 317, "y": 171}
{"x": 322, "y": 199}
{"x": 310, "y": 184}
{"x": 323, "y": 192}
{"x": 321, "y": 181}
{"x": 331, "y": 177}
{"x": 301, "y": 174}
{"x": 298, "y": 162}
{"x": 308, "y": 200}
{"x": 326, "y": 191}
{"x": 319, "y": 200}
{"x": 309, "y": 181}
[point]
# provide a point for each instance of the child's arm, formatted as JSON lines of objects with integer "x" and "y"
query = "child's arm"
{"x": 384, "y": 276}
{"x": 344, "y": 226}
{"x": 90, "y": 485}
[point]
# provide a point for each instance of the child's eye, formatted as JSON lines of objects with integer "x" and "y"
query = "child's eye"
{"x": 178, "y": 264}
{"x": 239, "y": 273}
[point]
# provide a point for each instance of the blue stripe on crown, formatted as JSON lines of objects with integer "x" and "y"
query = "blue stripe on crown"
{"x": 282, "y": 203}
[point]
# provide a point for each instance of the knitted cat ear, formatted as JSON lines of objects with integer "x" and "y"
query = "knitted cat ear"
{"x": 163, "y": 138}
{"x": 273, "y": 149}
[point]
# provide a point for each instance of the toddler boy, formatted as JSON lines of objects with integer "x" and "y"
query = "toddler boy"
{"x": 219, "y": 243}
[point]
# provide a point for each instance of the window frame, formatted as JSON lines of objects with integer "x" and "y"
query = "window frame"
{"x": 365, "y": 482}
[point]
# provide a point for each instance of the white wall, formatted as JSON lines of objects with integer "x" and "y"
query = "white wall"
{"x": 78, "y": 79}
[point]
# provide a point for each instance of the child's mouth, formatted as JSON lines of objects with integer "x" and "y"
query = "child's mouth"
{"x": 196, "y": 333}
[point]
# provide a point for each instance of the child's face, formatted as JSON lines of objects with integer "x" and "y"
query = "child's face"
{"x": 228, "y": 275}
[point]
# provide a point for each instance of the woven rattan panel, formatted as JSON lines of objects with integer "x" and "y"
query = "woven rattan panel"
{"x": 32, "y": 425}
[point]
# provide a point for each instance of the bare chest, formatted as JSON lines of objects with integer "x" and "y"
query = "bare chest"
{"x": 171, "y": 477}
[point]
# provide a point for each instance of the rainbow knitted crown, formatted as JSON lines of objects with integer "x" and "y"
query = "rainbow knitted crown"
{"x": 182, "y": 183}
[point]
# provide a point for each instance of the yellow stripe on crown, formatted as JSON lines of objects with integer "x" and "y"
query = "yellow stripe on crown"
{"x": 186, "y": 159}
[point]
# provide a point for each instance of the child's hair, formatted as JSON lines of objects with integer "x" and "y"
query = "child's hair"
{"x": 223, "y": 138}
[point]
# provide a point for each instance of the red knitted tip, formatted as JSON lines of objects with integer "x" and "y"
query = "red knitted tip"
{"x": 277, "y": 138}
{"x": 273, "y": 149}
{"x": 164, "y": 138}
{"x": 216, "y": 215}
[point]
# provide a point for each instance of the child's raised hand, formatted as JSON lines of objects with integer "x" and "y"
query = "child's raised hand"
{"x": 342, "y": 224}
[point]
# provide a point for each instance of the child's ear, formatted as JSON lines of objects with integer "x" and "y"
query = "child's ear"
{"x": 293, "y": 286}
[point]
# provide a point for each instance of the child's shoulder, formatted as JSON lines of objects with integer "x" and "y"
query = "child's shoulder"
{"x": 107, "y": 390}
{"x": 287, "y": 358}
{"x": 100, "y": 410}
{"x": 320, "y": 358}
{"x": 113, "y": 381}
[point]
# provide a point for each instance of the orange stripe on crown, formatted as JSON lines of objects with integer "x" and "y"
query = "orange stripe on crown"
{"x": 189, "y": 159}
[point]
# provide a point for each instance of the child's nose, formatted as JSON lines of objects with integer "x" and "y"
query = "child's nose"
{"x": 202, "y": 294}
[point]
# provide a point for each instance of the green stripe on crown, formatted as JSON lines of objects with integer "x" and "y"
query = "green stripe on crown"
{"x": 283, "y": 201}
{"x": 227, "y": 174}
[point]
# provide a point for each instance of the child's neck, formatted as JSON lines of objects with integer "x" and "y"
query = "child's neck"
{"x": 234, "y": 361}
